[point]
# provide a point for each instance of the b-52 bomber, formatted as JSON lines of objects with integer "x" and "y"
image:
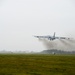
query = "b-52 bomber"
{"x": 51, "y": 37}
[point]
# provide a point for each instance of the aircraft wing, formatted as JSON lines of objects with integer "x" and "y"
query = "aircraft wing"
{"x": 42, "y": 36}
{"x": 62, "y": 38}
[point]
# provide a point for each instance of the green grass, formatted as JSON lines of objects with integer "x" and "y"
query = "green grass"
{"x": 20, "y": 64}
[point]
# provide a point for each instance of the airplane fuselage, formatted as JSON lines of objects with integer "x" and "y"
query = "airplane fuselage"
{"x": 51, "y": 38}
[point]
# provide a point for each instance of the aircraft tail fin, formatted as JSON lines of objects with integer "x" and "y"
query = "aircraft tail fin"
{"x": 54, "y": 35}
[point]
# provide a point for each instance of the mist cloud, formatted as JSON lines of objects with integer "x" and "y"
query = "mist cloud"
{"x": 67, "y": 45}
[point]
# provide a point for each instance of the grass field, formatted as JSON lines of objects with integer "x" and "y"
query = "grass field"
{"x": 20, "y": 64}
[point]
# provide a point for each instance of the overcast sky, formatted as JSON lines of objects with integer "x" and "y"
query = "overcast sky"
{"x": 21, "y": 19}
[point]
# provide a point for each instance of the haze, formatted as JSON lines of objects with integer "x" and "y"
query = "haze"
{"x": 21, "y": 19}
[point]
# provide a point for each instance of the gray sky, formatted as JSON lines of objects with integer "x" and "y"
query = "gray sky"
{"x": 21, "y": 19}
